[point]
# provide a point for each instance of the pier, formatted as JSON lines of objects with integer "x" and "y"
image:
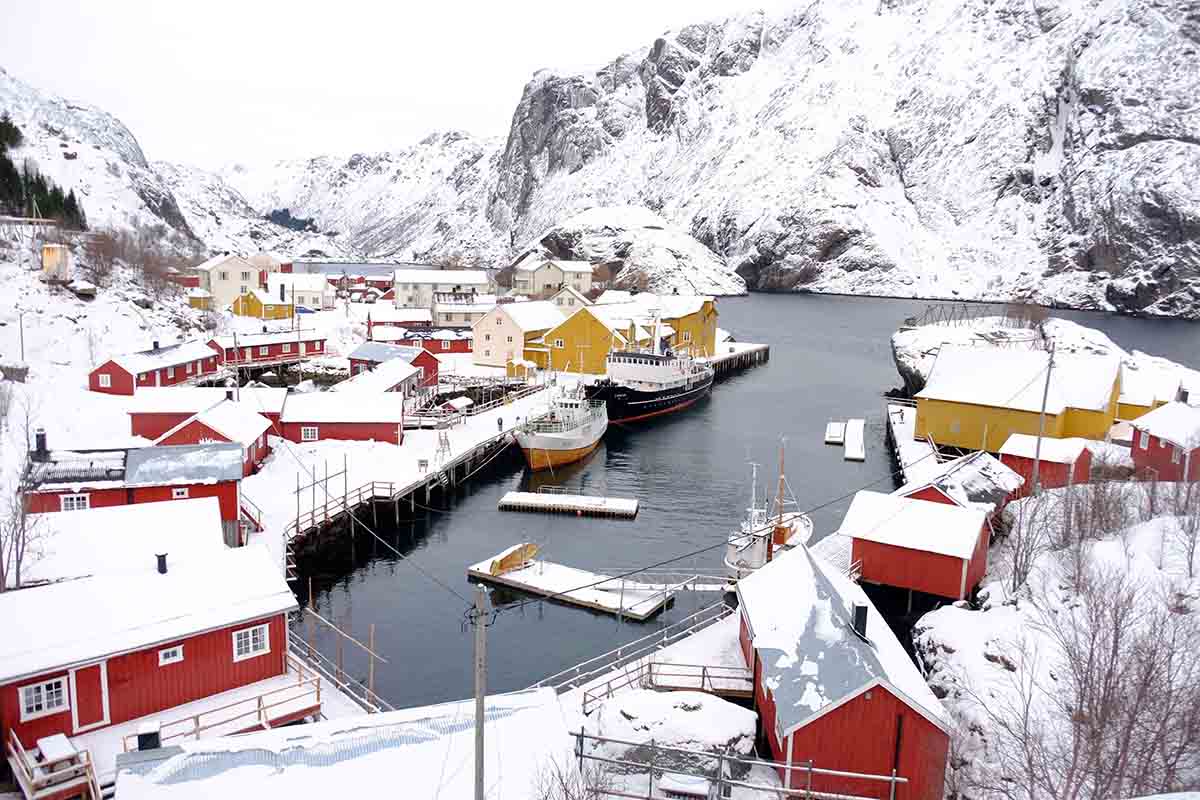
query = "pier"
{"x": 734, "y": 357}
{"x": 578, "y": 504}
{"x": 912, "y": 455}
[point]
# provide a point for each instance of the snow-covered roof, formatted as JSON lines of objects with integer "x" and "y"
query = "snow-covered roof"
{"x": 342, "y": 407}
{"x": 315, "y": 283}
{"x": 171, "y": 355}
{"x": 1176, "y": 422}
{"x": 72, "y": 622}
{"x": 183, "y": 463}
{"x": 1015, "y": 378}
{"x": 271, "y": 337}
{"x": 539, "y": 315}
{"x": 198, "y": 293}
{"x": 234, "y": 421}
{"x": 239, "y": 263}
{"x": 117, "y": 539}
{"x": 610, "y": 296}
{"x": 428, "y": 749}
{"x": 459, "y": 403}
{"x": 570, "y": 290}
{"x": 382, "y": 378}
{"x": 191, "y": 399}
{"x": 1055, "y": 451}
{"x": 267, "y": 299}
{"x": 380, "y": 352}
{"x": 392, "y": 314}
{"x": 455, "y": 277}
{"x": 913, "y": 524}
{"x": 1145, "y": 383}
{"x": 533, "y": 264}
{"x": 800, "y": 615}
{"x": 976, "y": 479}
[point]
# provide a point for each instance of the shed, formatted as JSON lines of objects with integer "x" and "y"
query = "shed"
{"x": 936, "y": 548}
{"x": 976, "y": 480}
{"x": 153, "y": 412}
{"x": 833, "y": 685}
{"x": 396, "y": 375}
{"x": 158, "y": 366}
{"x": 261, "y": 305}
{"x": 1062, "y": 461}
{"x": 370, "y": 354}
{"x": 1167, "y": 444}
{"x": 226, "y": 421}
{"x": 268, "y": 347}
{"x": 350, "y": 416}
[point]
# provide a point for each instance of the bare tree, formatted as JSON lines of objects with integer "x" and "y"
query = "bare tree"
{"x": 1028, "y": 537}
{"x": 19, "y": 527}
{"x": 556, "y": 781}
{"x": 1186, "y": 506}
{"x": 100, "y": 251}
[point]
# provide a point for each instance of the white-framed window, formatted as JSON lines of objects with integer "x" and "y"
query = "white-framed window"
{"x": 559, "y": 301}
{"x": 170, "y": 655}
{"x": 245, "y": 289}
{"x": 1144, "y": 438}
{"x": 559, "y": 343}
{"x": 43, "y": 699}
{"x": 445, "y": 344}
{"x": 179, "y": 493}
{"x": 498, "y": 322}
{"x": 251, "y": 642}
{"x": 105, "y": 381}
{"x": 317, "y": 345}
{"x": 487, "y": 337}
{"x": 570, "y": 301}
{"x": 308, "y": 433}
{"x": 170, "y": 372}
{"x": 1176, "y": 455}
{"x": 74, "y": 502}
{"x": 304, "y": 347}
{"x": 224, "y": 276}
{"x": 263, "y": 350}
{"x": 687, "y": 336}
{"x": 189, "y": 368}
{"x": 487, "y": 353}
{"x": 287, "y": 347}
{"x": 245, "y": 276}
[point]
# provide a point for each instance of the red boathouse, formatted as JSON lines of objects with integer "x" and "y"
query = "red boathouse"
{"x": 267, "y": 348}
{"x": 1064, "y": 462}
{"x": 158, "y": 366}
{"x": 1167, "y": 443}
{"x": 833, "y": 685}
{"x": 353, "y": 416}
{"x": 976, "y": 480}
{"x": 227, "y": 421}
{"x": 153, "y": 412}
{"x": 370, "y": 354}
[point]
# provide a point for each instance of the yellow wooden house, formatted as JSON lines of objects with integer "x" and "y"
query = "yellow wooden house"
{"x": 260, "y": 305}
{"x": 582, "y": 341}
{"x": 694, "y": 323}
{"x": 199, "y": 299}
{"x": 1145, "y": 386}
{"x": 976, "y": 397}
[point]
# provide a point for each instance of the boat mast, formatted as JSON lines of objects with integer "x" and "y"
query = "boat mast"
{"x": 778, "y": 536}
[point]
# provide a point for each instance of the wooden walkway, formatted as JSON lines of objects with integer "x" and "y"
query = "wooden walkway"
{"x": 736, "y": 356}
{"x": 578, "y": 504}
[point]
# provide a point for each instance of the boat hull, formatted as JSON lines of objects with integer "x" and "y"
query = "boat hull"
{"x": 552, "y": 459}
{"x": 630, "y": 405}
{"x": 551, "y": 450}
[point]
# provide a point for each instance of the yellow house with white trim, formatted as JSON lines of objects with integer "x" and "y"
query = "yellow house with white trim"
{"x": 260, "y": 305}
{"x": 692, "y": 318}
{"x": 582, "y": 342}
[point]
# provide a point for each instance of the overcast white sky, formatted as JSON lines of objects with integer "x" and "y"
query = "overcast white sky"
{"x": 220, "y": 81}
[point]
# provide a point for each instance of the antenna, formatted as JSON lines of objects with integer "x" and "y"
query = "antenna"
{"x": 753, "y": 484}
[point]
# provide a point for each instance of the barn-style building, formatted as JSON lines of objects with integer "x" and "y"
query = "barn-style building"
{"x": 1167, "y": 443}
{"x": 227, "y": 421}
{"x": 268, "y": 348}
{"x": 353, "y": 416}
{"x": 1062, "y": 462}
{"x": 158, "y": 366}
{"x": 153, "y": 412}
{"x": 368, "y": 355}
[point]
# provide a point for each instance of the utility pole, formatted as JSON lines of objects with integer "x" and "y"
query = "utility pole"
{"x": 479, "y": 620}
{"x": 1037, "y": 449}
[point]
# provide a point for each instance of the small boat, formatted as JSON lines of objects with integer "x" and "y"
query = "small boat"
{"x": 568, "y": 432}
{"x": 761, "y": 535}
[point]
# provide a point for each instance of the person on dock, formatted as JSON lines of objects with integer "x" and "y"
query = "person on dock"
{"x": 500, "y": 424}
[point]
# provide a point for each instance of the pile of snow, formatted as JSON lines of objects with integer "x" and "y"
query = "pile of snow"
{"x": 688, "y": 720}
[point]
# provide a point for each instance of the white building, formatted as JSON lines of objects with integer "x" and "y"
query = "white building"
{"x": 307, "y": 291}
{"x": 501, "y": 335}
{"x": 568, "y": 301}
{"x": 535, "y": 277}
{"x": 225, "y": 277}
{"x": 415, "y": 288}
{"x": 460, "y": 309}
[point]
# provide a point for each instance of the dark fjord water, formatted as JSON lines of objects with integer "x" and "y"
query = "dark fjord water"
{"x": 830, "y": 359}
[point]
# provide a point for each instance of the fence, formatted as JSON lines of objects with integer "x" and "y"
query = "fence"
{"x": 719, "y": 679}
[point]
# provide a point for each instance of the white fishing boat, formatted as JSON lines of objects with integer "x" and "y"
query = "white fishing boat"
{"x": 762, "y": 534}
{"x": 567, "y": 432}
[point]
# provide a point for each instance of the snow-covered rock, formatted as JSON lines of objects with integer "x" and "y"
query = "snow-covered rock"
{"x": 687, "y": 720}
{"x": 650, "y": 254}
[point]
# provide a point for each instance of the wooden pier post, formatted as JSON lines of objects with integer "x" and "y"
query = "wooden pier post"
{"x": 371, "y": 663}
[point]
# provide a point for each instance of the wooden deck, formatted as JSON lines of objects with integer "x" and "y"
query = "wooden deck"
{"x": 578, "y": 504}
{"x": 735, "y": 356}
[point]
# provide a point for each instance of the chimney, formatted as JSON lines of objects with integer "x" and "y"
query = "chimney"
{"x": 229, "y": 394}
{"x": 40, "y": 453}
{"x": 264, "y": 328}
{"x": 149, "y": 735}
{"x": 154, "y": 345}
{"x": 162, "y": 563}
{"x": 282, "y": 297}
{"x": 860, "y": 619}
{"x": 1183, "y": 395}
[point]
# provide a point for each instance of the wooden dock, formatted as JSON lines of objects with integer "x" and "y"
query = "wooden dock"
{"x": 578, "y": 504}
{"x": 856, "y": 447}
{"x": 559, "y": 582}
{"x": 835, "y": 432}
{"x": 734, "y": 357}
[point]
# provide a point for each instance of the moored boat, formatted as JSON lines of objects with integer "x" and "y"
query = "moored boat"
{"x": 569, "y": 431}
{"x": 761, "y": 534}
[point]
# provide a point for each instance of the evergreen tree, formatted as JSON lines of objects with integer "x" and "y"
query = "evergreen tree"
{"x": 10, "y": 134}
{"x": 12, "y": 190}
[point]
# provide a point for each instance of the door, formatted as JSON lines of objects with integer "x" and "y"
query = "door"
{"x": 89, "y": 696}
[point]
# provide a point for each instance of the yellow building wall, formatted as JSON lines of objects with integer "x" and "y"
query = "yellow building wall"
{"x": 586, "y": 344}
{"x": 966, "y": 425}
{"x": 702, "y": 330}
{"x": 201, "y": 303}
{"x": 1131, "y": 411}
{"x": 247, "y": 305}
{"x": 1094, "y": 424}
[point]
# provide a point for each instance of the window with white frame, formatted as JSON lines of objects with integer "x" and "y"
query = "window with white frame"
{"x": 304, "y": 347}
{"x": 41, "y": 699}
{"x": 179, "y": 493}
{"x": 245, "y": 276}
{"x": 445, "y": 344}
{"x": 687, "y": 336}
{"x": 263, "y": 350}
{"x": 170, "y": 372}
{"x": 287, "y": 347}
{"x": 251, "y": 642}
{"x": 487, "y": 353}
{"x": 1176, "y": 455}
{"x": 105, "y": 381}
{"x": 245, "y": 289}
{"x": 316, "y": 345}
{"x": 308, "y": 433}
{"x": 74, "y": 502}
{"x": 487, "y": 337}
{"x": 189, "y": 368}
{"x": 510, "y": 340}
{"x": 224, "y": 276}
{"x": 498, "y": 322}
{"x": 1144, "y": 440}
{"x": 559, "y": 344}
{"x": 170, "y": 655}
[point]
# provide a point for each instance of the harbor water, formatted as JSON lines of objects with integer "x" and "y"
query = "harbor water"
{"x": 830, "y": 359}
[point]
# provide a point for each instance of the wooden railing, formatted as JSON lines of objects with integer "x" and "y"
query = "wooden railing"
{"x": 322, "y": 665}
{"x": 335, "y": 507}
{"x": 194, "y": 726}
{"x": 36, "y": 781}
{"x": 647, "y": 674}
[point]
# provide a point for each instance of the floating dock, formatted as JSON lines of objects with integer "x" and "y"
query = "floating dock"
{"x": 579, "y": 504}
{"x": 516, "y": 568}
{"x": 856, "y": 448}
{"x": 835, "y": 432}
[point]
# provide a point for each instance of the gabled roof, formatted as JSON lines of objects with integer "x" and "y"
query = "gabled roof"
{"x": 531, "y": 317}
{"x": 343, "y": 407}
{"x": 379, "y": 313}
{"x": 1175, "y": 422}
{"x": 800, "y": 614}
{"x": 382, "y": 378}
{"x": 232, "y": 420}
{"x": 913, "y": 524}
{"x": 192, "y": 399}
{"x": 171, "y": 355}
{"x": 229, "y": 340}
{"x": 1145, "y": 383}
{"x": 68, "y": 623}
{"x": 570, "y": 290}
{"x": 380, "y": 352}
{"x": 216, "y": 261}
{"x": 456, "y": 277}
{"x": 311, "y": 282}
{"x": 976, "y": 479}
{"x": 1016, "y": 379}
{"x": 265, "y": 298}
{"x": 533, "y": 264}
{"x": 1055, "y": 451}
{"x": 163, "y": 465}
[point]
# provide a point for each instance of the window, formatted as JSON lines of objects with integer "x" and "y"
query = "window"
{"x": 687, "y": 336}
{"x": 42, "y": 699}
{"x": 1176, "y": 455}
{"x": 245, "y": 276}
{"x": 189, "y": 368}
{"x": 170, "y": 372}
{"x": 510, "y": 340}
{"x": 1145, "y": 440}
{"x": 263, "y": 350}
{"x": 558, "y": 343}
{"x": 308, "y": 433}
{"x": 170, "y": 655}
{"x": 287, "y": 347}
{"x": 250, "y": 642}
{"x": 954, "y": 426}
{"x": 223, "y": 276}
{"x": 498, "y": 321}
{"x": 445, "y": 344}
{"x": 304, "y": 347}
{"x": 105, "y": 381}
{"x": 317, "y": 346}
{"x": 560, "y": 301}
{"x": 74, "y": 502}
{"x": 570, "y": 301}
{"x": 179, "y": 493}
{"x": 487, "y": 337}
{"x": 245, "y": 289}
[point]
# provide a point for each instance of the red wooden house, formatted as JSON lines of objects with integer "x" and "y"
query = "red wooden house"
{"x": 976, "y": 480}
{"x": 1167, "y": 443}
{"x": 354, "y": 416}
{"x": 396, "y": 375}
{"x": 936, "y": 548}
{"x": 833, "y": 685}
{"x": 153, "y": 412}
{"x": 158, "y": 366}
{"x": 382, "y": 316}
{"x": 82, "y": 655}
{"x": 267, "y": 348}
{"x": 437, "y": 342}
{"x": 1063, "y": 462}
{"x": 227, "y": 421}
{"x": 370, "y": 354}
{"x": 75, "y": 481}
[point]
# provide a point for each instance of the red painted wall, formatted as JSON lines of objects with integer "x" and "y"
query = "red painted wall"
{"x": 349, "y": 431}
{"x": 435, "y": 345}
{"x": 171, "y": 376}
{"x": 138, "y": 686}
{"x": 226, "y": 493}
{"x": 426, "y": 361}
{"x": 977, "y": 566}
{"x": 932, "y": 494}
{"x": 1156, "y": 455}
{"x": 860, "y": 736}
{"x": 122, "y": 381}
{"x": 155, "y": 425}
{"x": 1051, "y": 475}
{"x": 48, "y": 502}
{"x": 274, "y": 352}
{"x": 932, "y": 573}
{"x": 197, "y": 432}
